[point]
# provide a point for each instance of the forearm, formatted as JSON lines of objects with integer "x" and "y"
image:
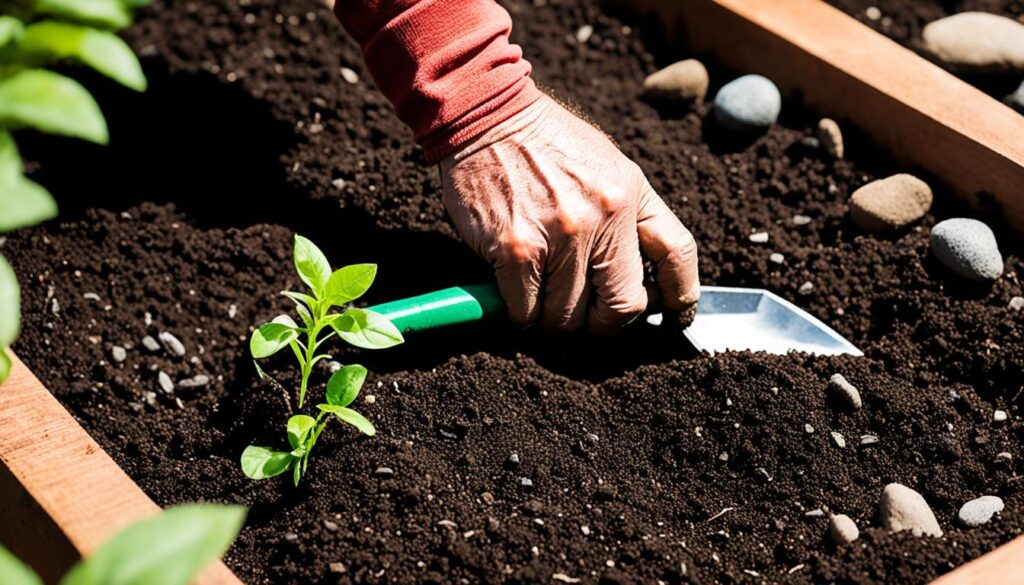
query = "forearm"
{"x": 446, "y": 65}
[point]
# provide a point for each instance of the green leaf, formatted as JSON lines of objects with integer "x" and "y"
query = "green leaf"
{"x": 351, "y": 417}
{"x": 51, "y": 103}
{"x": 106, "y": 13}
{"x": 169, "y": 549}
{"x": 349, "y": 283}
{"x": 271, "y": 338}
{"x": 13, "y": 571}
{"x": 299, "y": 427}
{"x": 366, "y": 329}
{"x": 10, "y": 29}
{"x": 5, "y": 364}
{"x": 22, "y": 201}
{"x": 261, "y": 462}
{"x": 103, "y": 51}
{"x": 313, "y": 267}
{"x": 10, "y": 304}
{"x": 344, "y": 385}
{"x": 299, "y": 298}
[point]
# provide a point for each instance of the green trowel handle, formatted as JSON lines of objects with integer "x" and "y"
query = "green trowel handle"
{"x": 458, "y": 304}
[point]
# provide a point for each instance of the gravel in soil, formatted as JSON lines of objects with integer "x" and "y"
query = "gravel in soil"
{"x": 903, "y": 21}
{"x": 644, "y": 461}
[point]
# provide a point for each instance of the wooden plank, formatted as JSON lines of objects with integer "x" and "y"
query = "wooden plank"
{"x": 1003, "y": 566}
{"x": 61, "y": 495}
{"x": 921, "y": 114}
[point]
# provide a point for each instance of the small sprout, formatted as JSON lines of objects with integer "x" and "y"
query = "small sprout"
{"x": 358, "y": 327}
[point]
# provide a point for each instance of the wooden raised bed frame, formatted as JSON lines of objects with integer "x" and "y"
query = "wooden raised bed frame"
{"x": 61, "y": 495}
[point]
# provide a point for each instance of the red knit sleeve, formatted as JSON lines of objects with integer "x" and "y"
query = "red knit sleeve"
{"x": 446, "y": 65}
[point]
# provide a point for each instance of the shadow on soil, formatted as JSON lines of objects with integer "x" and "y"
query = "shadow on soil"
{"x": 215, "y": 152}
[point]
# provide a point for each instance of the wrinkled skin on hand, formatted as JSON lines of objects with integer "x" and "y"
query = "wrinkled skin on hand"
{"x": 562, "y": 216}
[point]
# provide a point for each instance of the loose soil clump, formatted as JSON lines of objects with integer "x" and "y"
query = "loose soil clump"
{"x": 635, "y": 460}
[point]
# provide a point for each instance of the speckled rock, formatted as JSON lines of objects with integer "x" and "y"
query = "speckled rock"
{"x": 890, "y": 203}
{"x": 830, "y": 137}
{"x": 976, "y": 42}
{"x": 748, "y": 103}
{"x": 844, "y": 391}
{"x": 842, "y": 529}
{"x": 980, "y": 510}
{"x": 968, "y": 247}
{"x": 683, "y": 81}
{"x": 901, "y": 508}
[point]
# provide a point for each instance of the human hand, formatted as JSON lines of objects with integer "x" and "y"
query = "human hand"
{"x": 562, "y": 216}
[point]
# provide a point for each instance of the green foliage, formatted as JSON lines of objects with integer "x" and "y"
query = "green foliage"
{"x": 169, "y": 549}
{"x": 34, "y": 34}
{"x": 359, "y": 327}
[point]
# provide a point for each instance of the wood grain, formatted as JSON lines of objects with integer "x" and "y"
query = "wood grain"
{"x": 924, "y": 116}
{"x": 1003, "y": 566}
{"x": 62, "y": 496}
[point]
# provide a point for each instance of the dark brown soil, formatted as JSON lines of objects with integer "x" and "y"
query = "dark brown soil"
{"x": 634, "y": 438}
{"x": 903, "y": 20}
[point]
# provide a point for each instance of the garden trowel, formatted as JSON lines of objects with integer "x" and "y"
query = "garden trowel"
{"x": 728, "y": 319}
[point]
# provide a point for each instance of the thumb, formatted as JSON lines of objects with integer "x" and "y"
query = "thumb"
{"x": 672, "y": 248}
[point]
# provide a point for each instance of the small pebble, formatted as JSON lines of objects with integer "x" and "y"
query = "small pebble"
{"x": 808, "y": 428}
{"x": 370, "y": 399}
{"x": 842, "y": 529}
{"x": 976, "y": 42}
{"x": 890, "y": 204}
{"x": 683, "y": 81}
{"x": 150, "y": 343}
{"x": 513, "y": 460}
{"x": 901, "y": 508}
{"x": 332, "y": 526}
{"x": 165, "y": 382}
{"x": 979, "y": 511}
{"x": 810, "y": 142}
{"x": 448, "y": 524}
{"x": 1017, "y": 303}
{"x": 839, "y": 439}
{"x": 845, "y": 391}
{"x": 806, "y": 288}
{"x": 868, "y": 439}
{"x": 584, "y": 33}
{"x": 172, "y": 344}
{"x": 831, "y": 137}
{"x": 349, "y": 75}
{"x": 91, "y": 296}
{"x": 384, "y": 472}
{"x": 333, "y": 366}
{"x": 815, "y": 513}
{"x": 776, "y": 258}
{"x": 525, "y": 482}
{"x": 1000, "y": 416}
{"x": 799, "y": 220}
{"x": 759, "y": 237}
{"x": 337, "y": 568}
{"x": 488, "y": 498}
{"x": 968, "y": 247}
{"x": 118, "y": 353}
{"x": 197, "y": 381}
{"x": 591, "y": 438}
{"x": 291, "y": 536}
{"x": 750, "y": 102}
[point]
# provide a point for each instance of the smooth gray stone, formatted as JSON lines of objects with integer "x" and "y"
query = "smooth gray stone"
{"x": 968, "y": 247}
{"x": 749, "y": 102}
{"x": 980, "y": 510}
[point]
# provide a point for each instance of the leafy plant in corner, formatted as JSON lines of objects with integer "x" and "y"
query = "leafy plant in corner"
{"x": 169, "y": 549}
{"x": 33, "y": 34}
{"x": 359, "y": 327}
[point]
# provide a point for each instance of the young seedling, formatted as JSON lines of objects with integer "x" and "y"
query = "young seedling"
{"x": 359, "y": 327}
{"x": 34, "y": 34}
